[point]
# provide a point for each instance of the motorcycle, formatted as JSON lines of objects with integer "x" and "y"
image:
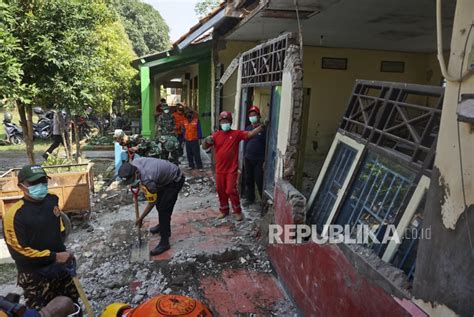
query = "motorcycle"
{"x": 14, "y": 133}
{"x": 43, "y": 128}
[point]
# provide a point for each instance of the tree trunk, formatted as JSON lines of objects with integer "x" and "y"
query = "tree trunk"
{"x": 26, "y": 122}
{"x": 68, "y": 135}
{"x": 78, "y": 141}
{"x": 65, "y": 143}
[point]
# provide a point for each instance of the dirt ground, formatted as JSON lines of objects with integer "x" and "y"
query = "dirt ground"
{"x": 220, "y": 262}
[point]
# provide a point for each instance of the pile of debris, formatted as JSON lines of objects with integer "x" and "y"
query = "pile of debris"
{"x": 103, "y": 250}
{"x": 102, "y": 243}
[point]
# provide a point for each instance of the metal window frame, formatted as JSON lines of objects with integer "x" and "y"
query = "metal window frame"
{"x": 371, "y": 119}
{"x": 263, "y": 65}
{"x": 405, "y": 199}
{"x": 359, "y": 147}
{"x": 416, "y": 198}
{"x": 373, "y": 127}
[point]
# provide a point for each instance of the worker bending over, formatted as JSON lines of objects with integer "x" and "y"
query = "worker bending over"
{"x": 161, "y": 181}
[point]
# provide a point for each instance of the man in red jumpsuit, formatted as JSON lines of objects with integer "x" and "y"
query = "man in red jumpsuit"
{"x": 226, "y": 142}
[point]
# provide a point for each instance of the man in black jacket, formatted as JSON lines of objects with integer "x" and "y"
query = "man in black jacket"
{"x": 33, "y": 231}
{"x": 254, "y": 155}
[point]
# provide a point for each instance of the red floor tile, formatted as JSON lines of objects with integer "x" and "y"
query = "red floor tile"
{"x": 240, "y": 291}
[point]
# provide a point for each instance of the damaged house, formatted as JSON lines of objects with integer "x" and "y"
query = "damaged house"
{"x": 367, "y": 126}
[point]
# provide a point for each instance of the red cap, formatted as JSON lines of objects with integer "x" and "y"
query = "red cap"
{"x": 225, "y": 115}
{"x": 254, "y": 108}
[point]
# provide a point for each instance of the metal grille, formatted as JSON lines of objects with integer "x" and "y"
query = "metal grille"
{"x": 263, "y": 65}
{"x": 399, "y": 117}
{"x": 332, "y": 183}
{"x": 378, "y": 197}
{"x": 405, "y": 257}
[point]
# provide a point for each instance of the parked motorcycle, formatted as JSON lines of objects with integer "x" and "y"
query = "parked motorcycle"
{"x": 43, "y": 128}
{"x": 14, "y": 133}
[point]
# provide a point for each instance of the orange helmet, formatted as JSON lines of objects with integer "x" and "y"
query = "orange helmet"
{"x": 170, "y": 305}
{"x": 255, "y": 109}
{"x": 225, "y": 115}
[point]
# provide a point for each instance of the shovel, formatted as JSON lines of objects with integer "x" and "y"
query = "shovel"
{"x": 71, "y": 269}
{"x": 140, "y": 252}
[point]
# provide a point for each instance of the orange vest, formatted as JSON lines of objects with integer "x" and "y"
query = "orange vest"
{"x": 179, "y": 120}
{"x": 191, "y": 129}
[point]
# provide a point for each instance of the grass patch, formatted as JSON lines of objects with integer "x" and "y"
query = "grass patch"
{"x": 40, "y": 147}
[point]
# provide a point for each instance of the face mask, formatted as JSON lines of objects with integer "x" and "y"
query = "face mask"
{"x": 166, "y": 111}
{"x": 225, "y": 126}
{"x": 38, "y": 191}
{"x": 253, "y": 119}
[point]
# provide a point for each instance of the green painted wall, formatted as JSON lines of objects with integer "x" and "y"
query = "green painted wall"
{"x": 205, "y": 95}
{"x": 148, "y": 109}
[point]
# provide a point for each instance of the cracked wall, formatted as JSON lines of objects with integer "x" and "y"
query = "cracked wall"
{"x": 289, "y": 127}
{"x": 444, "y": 271}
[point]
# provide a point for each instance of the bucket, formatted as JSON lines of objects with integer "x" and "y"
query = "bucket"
{"x": 77, "y": 310}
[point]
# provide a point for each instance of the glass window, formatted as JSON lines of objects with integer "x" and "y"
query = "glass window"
{"x": 378, "y": 196}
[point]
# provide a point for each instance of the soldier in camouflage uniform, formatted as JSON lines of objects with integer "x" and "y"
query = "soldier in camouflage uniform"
{"x": 138, "y": 144}
{"x": 167, "y": 136}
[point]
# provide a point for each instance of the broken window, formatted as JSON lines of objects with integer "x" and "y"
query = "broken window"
{"x": 405, "y": 256}
{"x": 377, "y": 197}
{"x": 378, "y": 176}
{"x": 333, "y": 181}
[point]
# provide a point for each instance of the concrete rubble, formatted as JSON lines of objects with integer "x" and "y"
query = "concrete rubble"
{"x": 207, "y": 254}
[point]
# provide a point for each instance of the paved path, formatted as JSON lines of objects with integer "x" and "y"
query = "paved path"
{"x": 242, "y": 281}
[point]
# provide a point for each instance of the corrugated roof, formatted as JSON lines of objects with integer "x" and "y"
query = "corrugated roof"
{"x": 201, "y": 22}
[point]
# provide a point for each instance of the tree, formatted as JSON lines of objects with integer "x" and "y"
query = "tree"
{"x": 204, "y": 7}
{"x": 11, "y": 74}
{"x": 144, "y": 25}
{"x": 72, "y": 54}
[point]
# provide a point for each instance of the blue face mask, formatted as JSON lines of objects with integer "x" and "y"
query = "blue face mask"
{"x": 225, "y": 126}
{"x": 253, "y": 119}
{"x": 38, "y": 191}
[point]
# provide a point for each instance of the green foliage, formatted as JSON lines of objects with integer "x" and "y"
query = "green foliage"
{"x": 64, "y": 53}
{"x": 67, "y": 54}
{"x": 54, "y": 160}
{"x": 204, "y": 7}
{"x": 116, "y": 69}
{"x": 145, "y": 27}
{"x": 11, "y": 74}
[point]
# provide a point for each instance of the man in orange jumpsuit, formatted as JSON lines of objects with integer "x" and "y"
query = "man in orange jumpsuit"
{"x": 226, "y": 142}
